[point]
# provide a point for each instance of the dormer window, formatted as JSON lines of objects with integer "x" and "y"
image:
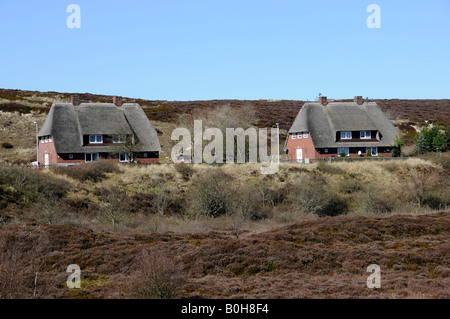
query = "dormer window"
{"x": 294, "y": 136}
{"x": 365, "y": 134}
{"x": 95, "y": 139}
{"x": 116, "y": 139}
{"x": 305, "y": 134}
{"x": 346, "y": 135}
{"x": 299, "y": 136}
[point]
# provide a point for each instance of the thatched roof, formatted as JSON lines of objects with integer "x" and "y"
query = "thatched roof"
{"x": 68, "y": 123}
{"x": 323, "y": 122}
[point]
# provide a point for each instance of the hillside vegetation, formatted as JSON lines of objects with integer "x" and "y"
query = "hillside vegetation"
{"x": 324, "y": 258}
{"x": 19, "y": 109}
{"x": 221, "y": 231}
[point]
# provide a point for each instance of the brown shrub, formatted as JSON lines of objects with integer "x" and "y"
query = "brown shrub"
{"x": 95, "y": 172}
{"x": 158, "y": 276}
{"x": 185, "y": 170}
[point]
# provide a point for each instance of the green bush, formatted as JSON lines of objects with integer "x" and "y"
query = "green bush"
{"x": 435, "y": 139}
{"x": 397, "y": 149}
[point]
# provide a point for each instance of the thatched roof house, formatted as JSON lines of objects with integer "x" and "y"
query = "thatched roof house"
{"x": 72, "y": 130}
{"x": 323, "y": 129}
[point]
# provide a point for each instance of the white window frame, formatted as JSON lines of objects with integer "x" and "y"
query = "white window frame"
{"x": 299, "y": 136}
{"x": 126, "y": 158}
{"x": 70, "y": 156}
{"x": 294, "y": 136}
{"x": 50, "y": 139}
{"x": 372, "y": 151}
{"x": 305, "y": 134}
{"x": 347, "y": 135}
{"x": 96, "y": 139}
{"x": 93, "y": 157}
{"x": 326, "y": 150}
{"x": 367, "y": 135}
{"x": 46, "y": 139}
{"x": 116, "y": 139}
{"x": 145, "y": 155}
{"x": 345, "y": 149}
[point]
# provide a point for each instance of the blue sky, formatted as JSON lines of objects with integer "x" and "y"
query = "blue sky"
{"x": 228, "y": 49}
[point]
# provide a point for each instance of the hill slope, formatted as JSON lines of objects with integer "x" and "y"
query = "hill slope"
{"x": 323, "y": 258}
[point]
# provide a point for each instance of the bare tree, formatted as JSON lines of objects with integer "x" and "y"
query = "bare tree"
{"x": 113, "y": 208}
{"x": 125, "y": 144}
{"x": 159, "y": 276}
{"x": 161, "y": 198}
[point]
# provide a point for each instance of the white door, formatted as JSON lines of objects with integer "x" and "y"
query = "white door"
{"x": 46, "y": 160}
{"x": 299, "y": 155}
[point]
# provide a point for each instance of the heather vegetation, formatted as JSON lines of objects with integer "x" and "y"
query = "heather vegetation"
{"x": 208, "y": 231}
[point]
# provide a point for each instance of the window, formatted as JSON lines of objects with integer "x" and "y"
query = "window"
{"x": 343, "y": 150}
{"x": 50, "y": 139}
{"x": 116, "y": 139}
{"x": 90, "y": 157}
{"x": 46, "y": 139}
{"x": 145, "y": 154}
{"x": 299, "y": 136}
{"x": 365, "y": 134}
{"x": 305, "y": 134}
{"x": 346, "y": 135}
{"x": 71, "y": 156}
{"x": 95, "y": 139}
{"x": 294, "y": 136}
{"x": 326, "y": 150}
{"x": 373, "y": 151}
{"x": 123, "y": 157}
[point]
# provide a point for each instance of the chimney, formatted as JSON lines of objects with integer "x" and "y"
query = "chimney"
{"x": 358, "y": 100}
{"x": 117, "y": 100}
{"x": 75, "y": 100}
{"x": 323, "y": 100}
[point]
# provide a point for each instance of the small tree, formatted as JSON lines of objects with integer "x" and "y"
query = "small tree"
{"x": 113, "y": 207}
{"x": 440, "y": 142}
{"x": 368, "y": 152}
{"x": 161, "y": 198}
{"x": 397, "y": 149}
{"x": 421, "y": 146}
{"x": 126, "y": 144}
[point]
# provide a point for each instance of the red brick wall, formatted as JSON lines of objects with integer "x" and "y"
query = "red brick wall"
{"x": 47, "y": 148}
{"x": 310, "y": 152}
{"x": 305, "y": 144}
{"x": 54, "y": 158}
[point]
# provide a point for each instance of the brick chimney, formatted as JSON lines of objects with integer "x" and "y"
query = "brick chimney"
{"x": 358, "y": 100}
{"x": 117, "y": 100}
{"x": 75, "y": 100}
{"x": 323, "y": 100}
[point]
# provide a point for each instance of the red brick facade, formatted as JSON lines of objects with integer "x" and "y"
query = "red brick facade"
{"x": 308, "y": 151}
{"x": 47, "y": 150}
